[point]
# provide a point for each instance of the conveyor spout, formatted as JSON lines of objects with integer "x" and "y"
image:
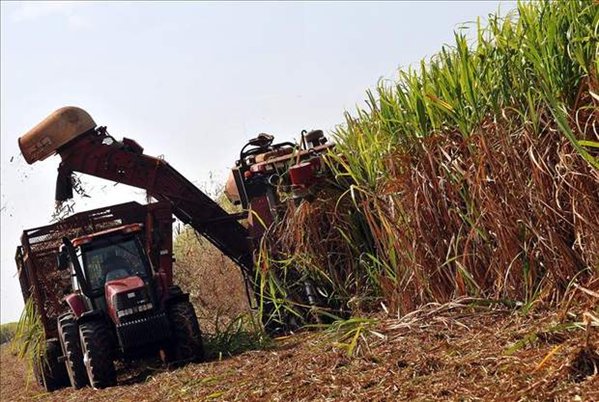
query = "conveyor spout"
{"x": 56, "y": 130}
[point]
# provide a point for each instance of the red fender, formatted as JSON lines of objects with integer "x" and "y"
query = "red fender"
{"x": 76, "y": 304}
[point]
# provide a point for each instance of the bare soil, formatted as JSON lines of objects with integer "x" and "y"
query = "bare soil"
{"x": 446, "y": 352}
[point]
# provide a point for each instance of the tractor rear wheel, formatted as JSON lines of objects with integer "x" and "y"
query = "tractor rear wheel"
{"x": 186, "y": 343}
{"x": 49, "y": 371}
{"x": 68, "y": 333}
{"x": 98, "y": 344}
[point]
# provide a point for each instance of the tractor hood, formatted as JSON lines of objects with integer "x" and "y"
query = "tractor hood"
{"x": 122, "y": 285}
{"x": 123, "y": 295}
{"x": 59, "y": 128}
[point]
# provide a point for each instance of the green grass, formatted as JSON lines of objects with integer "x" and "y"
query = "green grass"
{"x": 239, "y": 335}
{"x": 7, "y": 332}
{"x": 29, "y": 339}
{"x": 530, "y": 61}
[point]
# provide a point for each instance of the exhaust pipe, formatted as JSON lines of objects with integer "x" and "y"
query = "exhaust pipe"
{"x": 55, "y": 131}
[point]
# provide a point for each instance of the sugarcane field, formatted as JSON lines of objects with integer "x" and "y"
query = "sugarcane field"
{"x": 299, "y": 201}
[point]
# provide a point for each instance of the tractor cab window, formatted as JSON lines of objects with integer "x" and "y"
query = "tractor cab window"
{"x": 113, "y": 258}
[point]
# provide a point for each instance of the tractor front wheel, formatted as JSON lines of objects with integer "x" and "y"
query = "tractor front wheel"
{"x": 68, "y": 333}
{"x": 186, "y": 343}
{"x": 98, "y": 344}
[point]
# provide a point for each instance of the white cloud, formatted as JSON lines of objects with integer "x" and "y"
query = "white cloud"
{"x": 68, "y": 11}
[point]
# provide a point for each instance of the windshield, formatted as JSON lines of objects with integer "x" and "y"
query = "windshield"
{"x": 110, "y": 259}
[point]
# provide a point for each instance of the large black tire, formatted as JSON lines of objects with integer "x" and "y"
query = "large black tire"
{"x": 49, "y": 371}
{"x": 97, "y": 344}
{"x": 68, "y": 333}
{"x": 186, "y": 342}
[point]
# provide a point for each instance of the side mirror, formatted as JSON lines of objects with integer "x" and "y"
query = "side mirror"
{"x": 62, "y": 259}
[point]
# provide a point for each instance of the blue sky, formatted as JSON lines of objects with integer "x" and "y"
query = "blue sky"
{"x": 192, "y": 81}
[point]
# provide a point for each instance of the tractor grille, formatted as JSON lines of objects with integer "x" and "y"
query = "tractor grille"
{"x": 143, "y": 331}
{"x": 130, "y": 299}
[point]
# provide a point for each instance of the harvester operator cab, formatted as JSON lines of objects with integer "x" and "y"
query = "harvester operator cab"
{"x": 253, "y": 173}
{"x": 263, "y": 166}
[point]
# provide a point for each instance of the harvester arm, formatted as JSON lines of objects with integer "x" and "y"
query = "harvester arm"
{"x": 96, "y": 153}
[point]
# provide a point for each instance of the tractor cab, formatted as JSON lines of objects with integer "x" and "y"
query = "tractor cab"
{"x": 113, "y": 271}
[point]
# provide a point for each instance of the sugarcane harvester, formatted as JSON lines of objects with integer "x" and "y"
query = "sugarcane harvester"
{"x": 122, "y": 286}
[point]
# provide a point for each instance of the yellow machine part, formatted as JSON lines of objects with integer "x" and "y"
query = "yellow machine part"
{"x": 54, "y": 131}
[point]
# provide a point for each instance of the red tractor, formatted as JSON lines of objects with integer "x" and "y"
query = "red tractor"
{"x": 121, "y": 302}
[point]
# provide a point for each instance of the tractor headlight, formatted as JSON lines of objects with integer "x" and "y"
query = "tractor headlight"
{"x": 136, "y": 309}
